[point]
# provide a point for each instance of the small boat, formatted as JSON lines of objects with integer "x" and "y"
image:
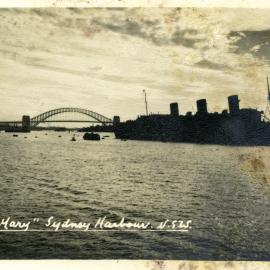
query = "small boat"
{"x": 73, "y": 139}
{"x": 91, "y": 136}
{"x": 15, "y": 135}
{"x": 59, "y": 136}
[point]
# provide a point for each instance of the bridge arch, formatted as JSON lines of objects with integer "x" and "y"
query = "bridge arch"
{"x": 43, "y": 116}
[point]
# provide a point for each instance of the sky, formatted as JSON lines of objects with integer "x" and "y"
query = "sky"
{"x": 101, "y": 59}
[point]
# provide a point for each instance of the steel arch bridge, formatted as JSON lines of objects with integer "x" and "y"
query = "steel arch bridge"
{"x": 44, "y": 117}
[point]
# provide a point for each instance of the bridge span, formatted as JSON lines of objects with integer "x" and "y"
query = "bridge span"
{"x": 70, "y": 116}
{"x": 44, "y": 117}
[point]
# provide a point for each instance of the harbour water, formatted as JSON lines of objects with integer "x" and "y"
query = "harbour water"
{"x": 225, "y": 191}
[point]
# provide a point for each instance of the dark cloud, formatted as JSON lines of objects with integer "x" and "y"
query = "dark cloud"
{"x": 75, "y": 10}
{"x": 128, "y": 27}
{"x": 187, "y": 37}
{"x": 211, "y": 65}
{"x": 254, "y": 42}
{"x": 152, "y": 30}
{"x": 134, "y": 28}
{"x": 44, "y": 12}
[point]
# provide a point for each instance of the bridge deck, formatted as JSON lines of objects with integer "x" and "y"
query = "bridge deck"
{"x": 54, "y": 121}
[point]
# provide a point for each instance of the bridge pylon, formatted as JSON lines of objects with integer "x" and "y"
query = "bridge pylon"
{"x": 26, "y": 123}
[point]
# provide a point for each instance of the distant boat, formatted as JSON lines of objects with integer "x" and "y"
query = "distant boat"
{"x": 73, "y": 139}
{"x": 15, "y": 135}
{"x": 91, "y": 136}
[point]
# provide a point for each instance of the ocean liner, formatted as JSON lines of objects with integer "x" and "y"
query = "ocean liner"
{"x": 237, "y": 126}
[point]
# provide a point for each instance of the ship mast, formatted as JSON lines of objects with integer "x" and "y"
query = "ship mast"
{"x": 267, "y": 110}
{"x": 145, "y": 100}
{"x": 268, "y": 89}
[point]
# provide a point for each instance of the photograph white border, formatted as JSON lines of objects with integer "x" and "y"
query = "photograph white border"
{"x": 132, "y": 264}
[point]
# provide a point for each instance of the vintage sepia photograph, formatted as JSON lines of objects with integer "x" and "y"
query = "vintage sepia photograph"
{"x": 135, "y": 133}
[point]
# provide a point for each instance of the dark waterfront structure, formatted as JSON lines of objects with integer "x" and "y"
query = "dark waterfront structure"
{"x": 238, "y": 127}
{"x": 98, "y": 128}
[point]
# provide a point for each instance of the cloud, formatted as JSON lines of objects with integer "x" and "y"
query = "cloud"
{"x": 186, "y": 37}
{"x": 254, "y": 42}
{"x": 211, "y": 65}
{"x": 162, "y": 31}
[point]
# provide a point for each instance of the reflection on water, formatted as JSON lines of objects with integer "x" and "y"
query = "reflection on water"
{"x": 47, "y": 175}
